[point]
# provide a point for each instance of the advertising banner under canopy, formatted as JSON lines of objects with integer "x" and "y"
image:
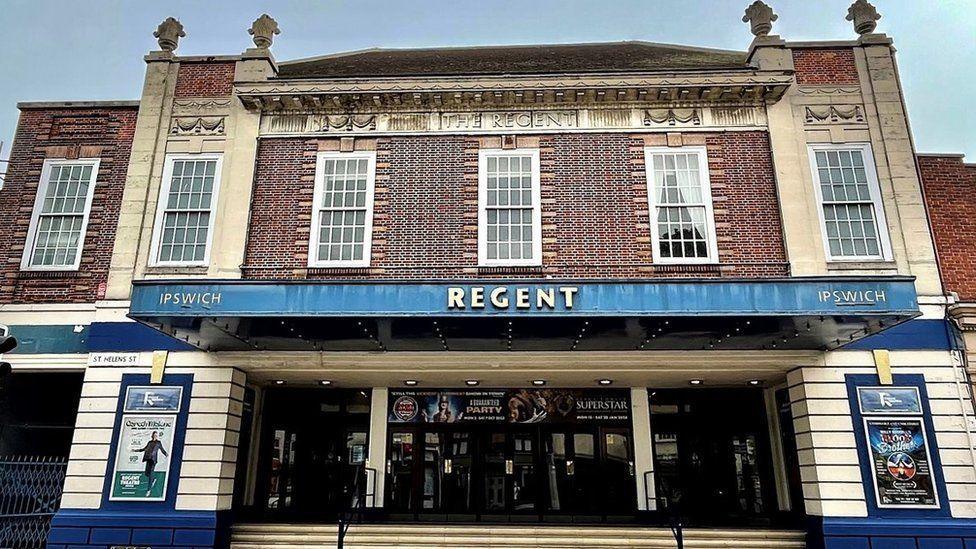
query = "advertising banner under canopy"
{"x": 509, "y": 406}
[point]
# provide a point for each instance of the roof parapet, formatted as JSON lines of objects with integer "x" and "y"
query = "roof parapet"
{"x": 26, "y": 105}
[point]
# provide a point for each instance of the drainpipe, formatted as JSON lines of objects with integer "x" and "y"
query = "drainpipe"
{"x": 960, "y": 365}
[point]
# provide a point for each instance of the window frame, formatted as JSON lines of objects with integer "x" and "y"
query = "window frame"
{"x": 164, "y": 188}
{"x": 874, "y": 190}
{"x": 652, "y": 206}
{"x": 31, "y": 242}
{"x": 315, "y": 224}
{"x": 536, "y": 259}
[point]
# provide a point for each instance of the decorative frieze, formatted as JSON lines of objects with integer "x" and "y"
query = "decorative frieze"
{"x": 672, "y": 117}
{"x": 834, "y": 114}
{"x": 828, "y": 90}
{"x": 193, "y": 106}
{"x": 512, "y": 121}
{"x": 198, "y": 125}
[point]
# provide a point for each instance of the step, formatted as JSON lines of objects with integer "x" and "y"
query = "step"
{"x": 407, "y": 536}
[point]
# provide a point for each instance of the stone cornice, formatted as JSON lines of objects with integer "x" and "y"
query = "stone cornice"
{"x": 965, "y": 316}
{"x": 749, "y": 88}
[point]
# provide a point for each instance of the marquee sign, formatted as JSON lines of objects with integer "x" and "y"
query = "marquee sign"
{"x": 892, "y": 296}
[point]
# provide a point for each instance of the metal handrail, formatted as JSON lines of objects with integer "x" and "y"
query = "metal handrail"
{"x": 361, "y": 493}
{"x": 675, "y": 521}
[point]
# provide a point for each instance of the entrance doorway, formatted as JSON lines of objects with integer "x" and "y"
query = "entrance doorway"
{"x": 510, "y": 473}
{"x": 711, "y": 455}
{"x": 314, "y": 444}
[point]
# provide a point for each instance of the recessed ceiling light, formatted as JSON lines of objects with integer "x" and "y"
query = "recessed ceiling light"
{"x": 604, "y": 381}
{"x": 471, "y": 382}
{"x": 754, "y": 382}
{"x": 279, "y": 382}
{"x": 696, "y": 382}
{"x": 410, "y": 382}
{"x": 325, "y": 382}
{"x": 538, "y": 382}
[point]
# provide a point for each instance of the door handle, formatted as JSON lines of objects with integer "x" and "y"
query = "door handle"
{"x": 509, "y": 467}
{"x": 570, "y": 468}
{"x": 448, "y": 466}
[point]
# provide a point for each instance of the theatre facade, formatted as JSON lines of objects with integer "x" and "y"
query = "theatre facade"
{"x": 594, "y": 291}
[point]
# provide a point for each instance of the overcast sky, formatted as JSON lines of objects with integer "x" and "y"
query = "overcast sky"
{"x": 93, "y": 49}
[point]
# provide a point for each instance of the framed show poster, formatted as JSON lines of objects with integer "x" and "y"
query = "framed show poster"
{"x": 901, "y": 467}
{"x": 145, "y": 444}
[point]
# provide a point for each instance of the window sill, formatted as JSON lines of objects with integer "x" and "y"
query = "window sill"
{"x": 511, "y": 269}
{"x": 686, "y": 268}
{"x": 869, "y": 265}
{"x": 49, "y": 273}
{"x": 338, "y": 271}
{"x": 175, "y": 270}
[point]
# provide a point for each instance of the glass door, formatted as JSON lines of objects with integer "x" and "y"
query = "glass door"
{"x": 510, "y": 475}
{"x": 495, "y": 469}
{"x": 459, "y": 467}
{"x": 524, "y": 472}
{"x": 616, "y": 478}
{"x": 711, "y": 455}
{"x": 589, "y": 472}
{"x": 400, "y": 480}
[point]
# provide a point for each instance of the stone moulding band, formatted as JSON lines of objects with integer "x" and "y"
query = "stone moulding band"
{"x": 515, "y": 120}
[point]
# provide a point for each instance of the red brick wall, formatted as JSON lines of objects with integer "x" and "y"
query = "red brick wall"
{"x": 42, "y": 134}
{"x": 209, "y": 79}
{"x": 815, "y": 66}
{"x": 950, "y": 193}
{"x": 594, "y": 204}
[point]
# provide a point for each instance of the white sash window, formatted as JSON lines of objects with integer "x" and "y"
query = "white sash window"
{"x": 680, "y": 200}
{"x": 509, "y": 215}
{"x": 342, "y": 218}
{"x": 60, "y": 218}
{"x": 185, "y": 216}
{"x": 852, "y": 218}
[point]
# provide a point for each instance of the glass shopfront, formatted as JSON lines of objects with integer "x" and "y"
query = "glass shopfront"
{"x": 521, "y": 455}
{"x": 510, "y": 456}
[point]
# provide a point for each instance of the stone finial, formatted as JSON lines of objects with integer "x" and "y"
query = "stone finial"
{"x": 169, "y": 33}
{"x": 864, "y": 15}
{"x": 761, "y": 18}
{"x": 263, "y": 30}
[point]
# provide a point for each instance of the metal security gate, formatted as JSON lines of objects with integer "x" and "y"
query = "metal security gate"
{"x": 30, "y": 494}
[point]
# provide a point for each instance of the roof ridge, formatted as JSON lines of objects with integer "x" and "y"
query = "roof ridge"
{"x": 511, "y": 46}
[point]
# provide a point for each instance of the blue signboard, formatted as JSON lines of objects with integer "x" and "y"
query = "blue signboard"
{"x": 153, "y": 399}
{"x": 893, "y": 296}
{"x": 889, "y": 400}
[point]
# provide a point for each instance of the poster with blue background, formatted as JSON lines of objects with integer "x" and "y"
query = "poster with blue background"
{"x": 900, "y": 463}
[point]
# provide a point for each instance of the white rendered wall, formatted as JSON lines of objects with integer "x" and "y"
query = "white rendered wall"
{"x": 643, "y": 446}
{"x": 377, "y": 442}
{"x": 206, "y": 477}
{"x": 826, "y": 442}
